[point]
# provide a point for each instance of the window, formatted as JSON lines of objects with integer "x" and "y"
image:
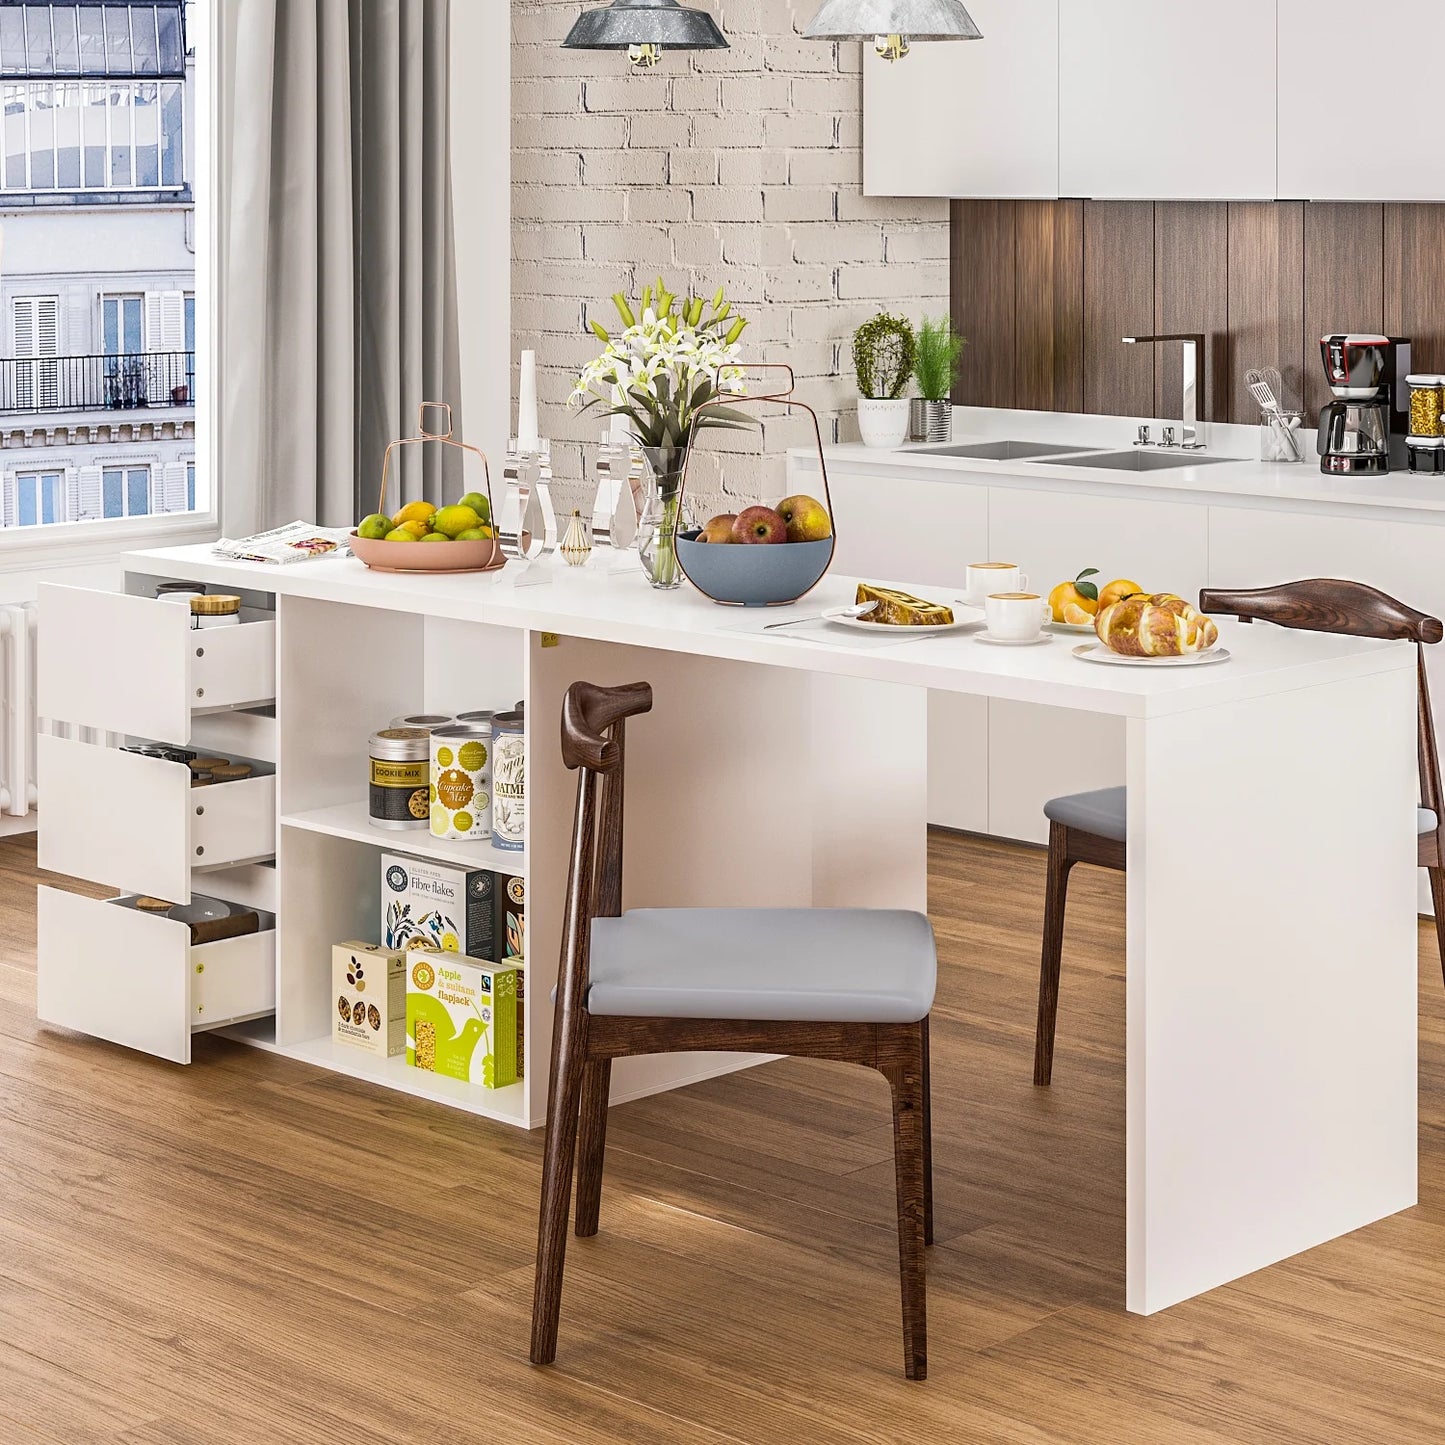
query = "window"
{"x": 39, "y": 498}
{"x": 36, "y": 331}
{"x": 190, "y": 486}
{"x": 122, "y": 317}
{"x": 125, "y": 491}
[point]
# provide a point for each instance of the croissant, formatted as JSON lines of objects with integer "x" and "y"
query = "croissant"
{"x": 1154, "y": 625}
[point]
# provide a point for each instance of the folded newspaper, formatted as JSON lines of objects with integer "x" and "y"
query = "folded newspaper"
{"x": 295, "y": 542}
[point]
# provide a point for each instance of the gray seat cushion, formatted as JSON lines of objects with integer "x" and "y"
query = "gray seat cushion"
{"x": 831, "y": 965}
{"x": 1104, "y": 812}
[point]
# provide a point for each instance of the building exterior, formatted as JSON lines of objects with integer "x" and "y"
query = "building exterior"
{"x": 97, "y": 261}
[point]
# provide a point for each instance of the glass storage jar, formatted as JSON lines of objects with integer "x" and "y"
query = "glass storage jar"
{"x": 1426, "y": 393}
{"x": 1427, "y": 454}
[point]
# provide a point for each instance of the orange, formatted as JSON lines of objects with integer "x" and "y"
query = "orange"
{"x": 1078, "y": 593}
{"x": 1117, "y": 591}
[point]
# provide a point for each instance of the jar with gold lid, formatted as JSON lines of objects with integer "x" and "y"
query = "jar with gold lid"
{"x": 215, "y": 609}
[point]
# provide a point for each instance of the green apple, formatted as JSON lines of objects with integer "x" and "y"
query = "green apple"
{"x": 478, "y": 502}
{"x": 374, "y": 527}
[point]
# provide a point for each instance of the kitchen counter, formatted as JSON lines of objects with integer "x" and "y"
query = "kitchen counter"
{"x": 1272, "y": 1015}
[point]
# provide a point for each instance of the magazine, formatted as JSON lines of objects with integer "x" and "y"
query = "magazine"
{"x": 295, "y": 542}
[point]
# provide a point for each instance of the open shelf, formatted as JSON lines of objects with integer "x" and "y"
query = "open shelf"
{"x": 508, "y": 1105}
{"x": 353, "y": 820}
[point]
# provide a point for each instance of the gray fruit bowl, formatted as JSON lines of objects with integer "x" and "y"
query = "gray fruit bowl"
{"x": 753, "y": 574}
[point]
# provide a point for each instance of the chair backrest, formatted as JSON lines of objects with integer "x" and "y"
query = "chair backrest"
{"x": 593, "y": 746}
{"x": 1330, "y": 604}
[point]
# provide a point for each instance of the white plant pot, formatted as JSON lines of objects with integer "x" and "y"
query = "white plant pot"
{"x": 883, "y": 422}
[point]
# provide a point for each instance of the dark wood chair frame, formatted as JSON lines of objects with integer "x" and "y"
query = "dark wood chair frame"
{"x": 584, "y": 1045}
{"x": 1320, "y": 604}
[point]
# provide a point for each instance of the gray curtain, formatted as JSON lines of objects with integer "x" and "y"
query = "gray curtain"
{"x": 337, "y": 257}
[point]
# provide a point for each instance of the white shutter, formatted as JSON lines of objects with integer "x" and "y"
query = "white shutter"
{"x": 165, "y": 320}
{"x": 37, "y": 334}
{"x": 72, "y": 494}
{"x": 90, "y": 485}
{"x": 169, "y": 492}
{"x": 24, "y": 312}
{"x": 7, "y": 500}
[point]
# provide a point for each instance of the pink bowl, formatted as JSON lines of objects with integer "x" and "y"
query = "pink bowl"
{"x": 384, "y": 556}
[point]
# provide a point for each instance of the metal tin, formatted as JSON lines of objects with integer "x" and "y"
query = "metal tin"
{"x": 461, "y": 781}
{"x": 509, "y": 782}
{"x": 400, "y": 792}
{"x": 428, "y": 720}
{"x": 476, "y": 719}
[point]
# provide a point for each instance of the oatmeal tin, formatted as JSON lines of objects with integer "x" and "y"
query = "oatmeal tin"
{"x": 509, "y": 782}
{"x": 461, "y": 782}
{"x": 400, "y": 777}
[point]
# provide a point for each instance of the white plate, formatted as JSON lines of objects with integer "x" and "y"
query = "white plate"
{"x": 1071, "y": 626}
{"x": 1097, "y": 652}
{"x": 840, "y": 616}
{"x": 1013, "y": 641}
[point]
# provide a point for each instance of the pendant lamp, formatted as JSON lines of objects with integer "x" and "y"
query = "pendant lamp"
{"x": 644, "y": 28}
{"x": 892, "y": 24}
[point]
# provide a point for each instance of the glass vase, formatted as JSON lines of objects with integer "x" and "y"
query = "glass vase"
{"x": 661, "y": 518}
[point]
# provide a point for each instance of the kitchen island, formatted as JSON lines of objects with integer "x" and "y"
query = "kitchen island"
{"x": 1271, "y": 1094}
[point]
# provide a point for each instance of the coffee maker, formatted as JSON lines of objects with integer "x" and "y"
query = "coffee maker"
{"x": 1363, "y": 430}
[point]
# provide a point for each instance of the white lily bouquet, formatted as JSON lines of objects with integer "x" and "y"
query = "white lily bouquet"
{"x": 660, "y": 372}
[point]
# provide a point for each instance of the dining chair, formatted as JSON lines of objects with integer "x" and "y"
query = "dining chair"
{"x": 850, "y": 984}
{"x": 1091, "y": 827}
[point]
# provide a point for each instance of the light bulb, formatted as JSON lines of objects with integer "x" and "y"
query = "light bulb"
{"x": 644, "y": 57}
{"x": 891, "y": 47}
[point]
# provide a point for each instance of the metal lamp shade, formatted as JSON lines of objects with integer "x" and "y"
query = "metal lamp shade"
{"x": 917, "y": 19}
{"x": 627, "y": 23}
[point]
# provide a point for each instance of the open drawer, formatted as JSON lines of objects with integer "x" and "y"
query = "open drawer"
{"x": 135, "y": 665}
{"x": 108, "y": 970}
{"x": 136, "y": 823}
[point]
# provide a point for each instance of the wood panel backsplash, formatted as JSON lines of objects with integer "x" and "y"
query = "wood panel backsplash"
{"x": 1044, "y": 290}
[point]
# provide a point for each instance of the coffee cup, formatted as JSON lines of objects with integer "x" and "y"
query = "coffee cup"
{"x": 1015, "y": 616}
{"x": 984, "y": 578}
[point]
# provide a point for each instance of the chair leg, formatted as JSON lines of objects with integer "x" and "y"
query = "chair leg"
{"x": 906, "y": 1081}
{"x": 1437, "y": 897}
{"x": 592, "y": 1145}
{"x": 557, "y": 1166}
{"x": 1055, "y": 895}
{"x": 927, "y": 1134}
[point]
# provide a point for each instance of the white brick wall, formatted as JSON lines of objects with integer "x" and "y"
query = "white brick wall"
{"x": 739, "y": 168}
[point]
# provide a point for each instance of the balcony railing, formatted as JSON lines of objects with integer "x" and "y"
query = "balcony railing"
{"x": 125, "y": 382}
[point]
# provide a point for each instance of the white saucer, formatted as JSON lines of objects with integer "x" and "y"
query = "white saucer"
{"x": 1097, "y": 652}
{"x": 1013, "y": 641}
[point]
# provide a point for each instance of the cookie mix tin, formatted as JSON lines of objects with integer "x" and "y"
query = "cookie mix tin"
{"x": 461, "y": 781}
{"x": 509, "y": 782}
{"x": 400, "y": 792}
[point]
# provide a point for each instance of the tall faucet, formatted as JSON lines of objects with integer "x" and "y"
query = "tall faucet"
{"x": 1193, "y": 382}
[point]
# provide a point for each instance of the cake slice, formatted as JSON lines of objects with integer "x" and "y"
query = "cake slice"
{"x": 898, "y": 609}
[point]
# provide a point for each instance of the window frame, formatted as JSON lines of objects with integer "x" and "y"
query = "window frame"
{"x": 28, "y": 549}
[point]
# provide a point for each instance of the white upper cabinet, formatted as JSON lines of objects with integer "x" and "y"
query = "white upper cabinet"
{"x": 1167, "y": 101}
{"x": 968, "y": 118}
{"x": 1359, "y": 110}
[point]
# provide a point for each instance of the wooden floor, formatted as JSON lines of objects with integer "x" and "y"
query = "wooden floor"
{"x": 250, "y": 1251}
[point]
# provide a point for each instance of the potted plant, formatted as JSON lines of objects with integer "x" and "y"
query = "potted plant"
{"x": 674, "y": 354}
{"x": 935, "y": 368}
{"x": 180, "y": 395}
{"x": 883, "y": 350}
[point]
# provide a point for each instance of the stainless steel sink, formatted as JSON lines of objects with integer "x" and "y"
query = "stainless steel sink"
{"x": 1005, "y": 451}
{"x": 1143, "y": 461}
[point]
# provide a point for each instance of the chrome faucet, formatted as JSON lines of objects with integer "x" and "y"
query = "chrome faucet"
{"x": 1193, "y": 385}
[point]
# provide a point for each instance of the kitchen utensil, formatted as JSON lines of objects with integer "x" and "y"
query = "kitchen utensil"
{"x": 756, "y": 575}
{"x": 1097, "y": 652}
{"x": 384, "y": 556}
{"x": 833, "y": 614}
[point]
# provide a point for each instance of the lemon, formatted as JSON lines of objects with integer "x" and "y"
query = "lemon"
{"x": 478, "y": 502}
{"x": 374, "y": 527}
{"x": 476, "y": 534}
{"x": 400, "y": 534}
{"x": 453, "y": 520}
{"x": 415, "y": 512}
{"x": 436, "y": 537}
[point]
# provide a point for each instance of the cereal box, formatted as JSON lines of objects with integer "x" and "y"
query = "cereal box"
{"x": 433, "y": 905}
{"x": 510, "y": 936}
{"x": 370, "y": 987}
{"x": 461, "y": 1018}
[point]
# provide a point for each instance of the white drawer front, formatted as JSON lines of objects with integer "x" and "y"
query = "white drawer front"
{"x": 107, "y": 970}
{"x": 135, "y": 823}
{"x": 134, "y": 665}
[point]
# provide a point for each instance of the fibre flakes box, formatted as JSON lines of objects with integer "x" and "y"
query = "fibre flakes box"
{"x": 370, "y": 987}
{"x": 432, "y": 905}
{"x": 461, "y": 1018}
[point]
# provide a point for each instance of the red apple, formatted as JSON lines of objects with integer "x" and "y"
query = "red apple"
{"x": 759, "y": 524}
{"x": 719, "y": 529}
